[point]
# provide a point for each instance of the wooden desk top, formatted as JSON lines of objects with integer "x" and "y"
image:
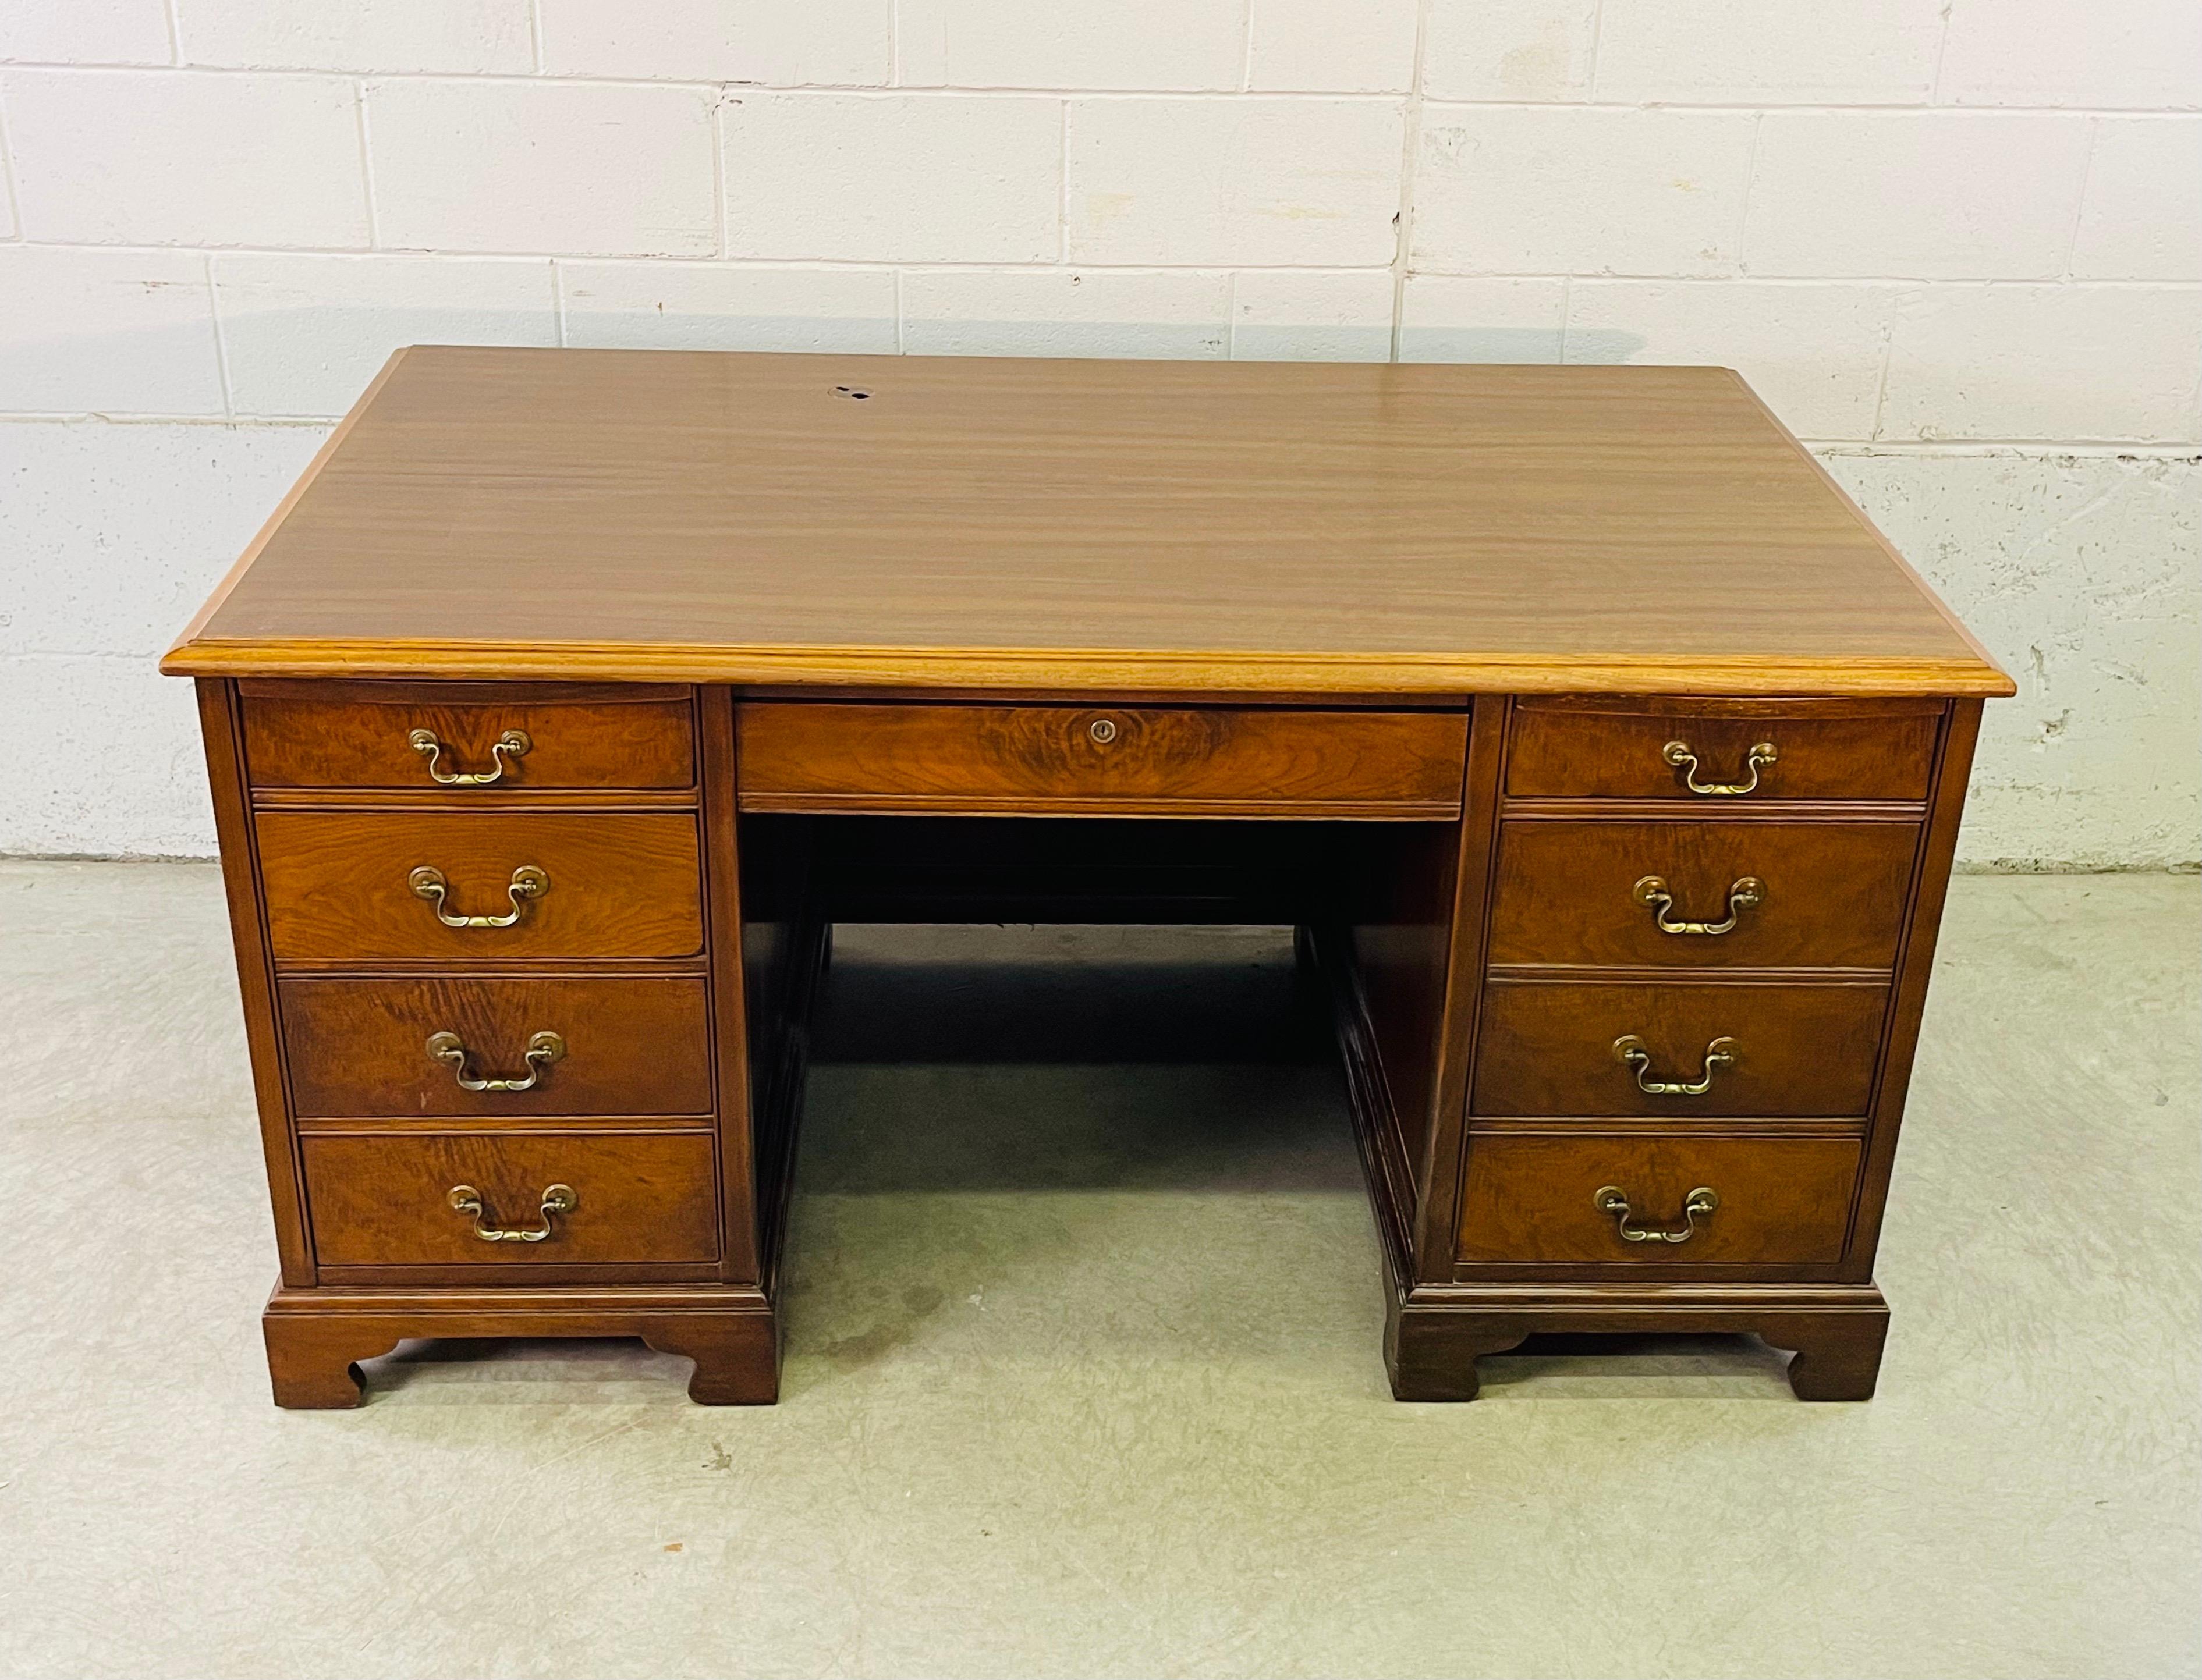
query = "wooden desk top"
{"x": 1076, "y": 527}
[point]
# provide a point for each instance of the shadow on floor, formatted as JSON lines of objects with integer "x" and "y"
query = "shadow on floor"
{"x": 1056, "y": 1059}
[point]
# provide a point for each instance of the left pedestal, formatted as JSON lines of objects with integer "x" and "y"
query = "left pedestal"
{"x": 490, "y": 939}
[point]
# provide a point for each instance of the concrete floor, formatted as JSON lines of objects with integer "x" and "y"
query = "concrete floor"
{"x": 1083, "y": 1374}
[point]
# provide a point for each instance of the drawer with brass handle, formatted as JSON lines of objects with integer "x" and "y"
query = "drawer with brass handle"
{"x": 471, "y": 1047}
{"x": 1630, "y": 1198}
{"x": 1721, "y": 754}
{"x": 1684, "y": 894}
{"x": 464, "y": 736}
{"x": 1670, "y": 1049}
{"x": 1107, "y": 760}
{"x": 534, "y": 1198}
{"x": 474, "y": 887}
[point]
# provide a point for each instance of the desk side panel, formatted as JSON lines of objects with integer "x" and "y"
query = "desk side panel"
{"x": 739, "y": 1261}
{"x": 1414, "y": 903}
{"x": 1915, "y": 966}
{"x": 221, "y": 724}
{"x": 783, "y": 948}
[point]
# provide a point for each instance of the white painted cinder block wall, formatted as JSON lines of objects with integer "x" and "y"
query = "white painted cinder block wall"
{"x": 1956, "y": 242}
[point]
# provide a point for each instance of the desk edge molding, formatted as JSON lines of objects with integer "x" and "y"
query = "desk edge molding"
{"x": 1089, "y": 670}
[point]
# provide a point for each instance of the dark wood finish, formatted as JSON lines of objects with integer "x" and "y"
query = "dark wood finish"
{"x": 1837, "y": 1355}
{"x": 1913, "y": 966}
{"x": 256, "y": 979}
{"x": 1833, "y": 894}
{"x": 1377, "y": 1129}
{"x": 1026, "y": 759}
{"x": 643, "y": 1198}
{"x": 1432, "y": 1356}
{"x": 622, "y": 884}
{"x": 1090, "y": 526}
{"x": 1435, "y": 624}
{"x": 1800, "y": 1050}
{"x": 1600, "y": 748}
{"x": 729, "y": 1047}
{"x": 356, "y": 735}
{"x": 316, "y": 1337}
{"x": 1529, "y": 1198}
{"x": 778, "y": 1105}
{"x": 1432, "y": 1342}
{"x": 1460, "y": 1022}
{"x": 634, "y": 1045}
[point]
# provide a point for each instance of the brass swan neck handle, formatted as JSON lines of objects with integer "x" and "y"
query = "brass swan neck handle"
{"x": 512, "y": 744}
{"x": 1747, "y": 893}
{"x": 1613, "y": 1202}
{"x": 1630, "y": 1051}
{"x": 543, "y": 1050}
{"x": 527, "y": 882}
{"x": 1678, "y": 754}
{"x": 556, "y": 1199}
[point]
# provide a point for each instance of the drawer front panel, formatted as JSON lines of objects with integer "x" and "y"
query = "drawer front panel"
{"x": 366, "y": 739}
{"x": 1797, "y": 1050}
{"x": 639, "y": 1198}
{"x": 800, "y": 757}
{"x": 1618, "y": 750}
{"x": 1781, "y": 895}
{"x": 627, "y": 1046}
{"x": 1535, "y": 1198}
{"x": 340, "y": 885}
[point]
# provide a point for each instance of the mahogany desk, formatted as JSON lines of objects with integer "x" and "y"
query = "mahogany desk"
{"x": 1608, "y": 761}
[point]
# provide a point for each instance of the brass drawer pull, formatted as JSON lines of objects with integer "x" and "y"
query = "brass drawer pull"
{"x": 514, "y": 743}
{"x": 1678, "y": 754}
{"x": 1747, "y": 894}
{"x": 557, "y": 1199}
{"x": 1613, "y": 1200}
{"x": 543, "y": 1050}
{"x": 1629, "y": 1050}
{"x": 527, "y": 882}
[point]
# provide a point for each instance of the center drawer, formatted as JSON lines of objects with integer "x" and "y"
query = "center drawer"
{"x": 414, "y": 1047}
{"x": 630, "y": 1198}
{"x": 390, "y": 884}
{"x": 1101, "y": 760}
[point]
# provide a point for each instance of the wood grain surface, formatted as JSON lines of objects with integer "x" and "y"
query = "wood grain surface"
{"x": 634, "y": 1045}
{"x": 1800, "y": 1050}
{"x": 622, "y": 884}
{"x": 1106, "y": 760}
{"x": 356, "y": 735}
{"x": 1831, "y": 894}
{"x": 1580, "y": 749}
{"x": 643, "y": 1198}
{"x": 1530, "y": 1198}
{"x": 1078, "y": 525}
